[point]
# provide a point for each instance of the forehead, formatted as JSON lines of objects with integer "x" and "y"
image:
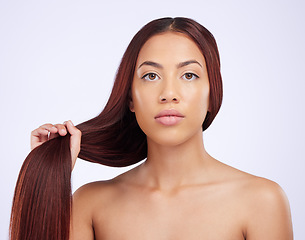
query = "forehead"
{"x": 170, "y": 47}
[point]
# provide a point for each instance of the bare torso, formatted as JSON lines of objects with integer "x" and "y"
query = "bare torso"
{"x": 123, "y": 208}
{"x": 194, "y": 212}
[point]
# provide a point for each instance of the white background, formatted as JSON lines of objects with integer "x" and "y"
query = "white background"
{"x": 58, "y": 60}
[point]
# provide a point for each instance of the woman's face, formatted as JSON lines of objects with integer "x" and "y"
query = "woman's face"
{"x": 170, "y": 89}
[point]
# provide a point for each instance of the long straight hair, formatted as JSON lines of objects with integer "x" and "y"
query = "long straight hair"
{"x": 42, "y": 201}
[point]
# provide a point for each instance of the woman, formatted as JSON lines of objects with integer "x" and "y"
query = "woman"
{"x": 167, "y": 91}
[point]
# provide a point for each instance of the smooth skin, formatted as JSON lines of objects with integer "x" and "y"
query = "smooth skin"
{"x": 180, "y": 191}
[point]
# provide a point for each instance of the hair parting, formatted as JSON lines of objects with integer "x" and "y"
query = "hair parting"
{"x": 42, "y": 201}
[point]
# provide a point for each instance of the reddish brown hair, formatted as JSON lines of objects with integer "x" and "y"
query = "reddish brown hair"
{"x": 42, "y": 200}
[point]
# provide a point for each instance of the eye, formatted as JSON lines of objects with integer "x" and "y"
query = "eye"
{"x": 150, "y": 77}
{"x": 189, "y": 76}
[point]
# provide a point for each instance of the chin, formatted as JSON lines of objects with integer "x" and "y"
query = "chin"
{"x": 174, "y": 135}
{"x": 169, "y": 139}
{"x": 168, "y": 143}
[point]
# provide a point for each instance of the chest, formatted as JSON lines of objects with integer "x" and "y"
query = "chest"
{"x": 153, "y": 216}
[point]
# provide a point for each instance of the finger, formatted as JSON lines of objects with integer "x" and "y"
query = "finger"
{"x": 75, "y": 134}
{"x": 61, "y": 129}
{"x": 75, "y": 140}
{"x": 41, "y": 134}
{"x": 53, "y": 135}
{"x": 37, "y": 136}
{"x": 42, "y": 130}
{"x": 48, "y": 127}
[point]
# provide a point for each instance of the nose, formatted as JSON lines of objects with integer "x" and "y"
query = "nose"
{"x": 169, "y": 92}
{"x": 165, "y": 100}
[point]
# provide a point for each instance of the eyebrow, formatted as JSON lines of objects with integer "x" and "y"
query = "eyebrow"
{"x": 183, "y": 64}
{"x": 150, "y": 63}
{"x": 179, "y": 65}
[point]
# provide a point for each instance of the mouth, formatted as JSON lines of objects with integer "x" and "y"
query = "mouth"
{"x": 169, "y": 117}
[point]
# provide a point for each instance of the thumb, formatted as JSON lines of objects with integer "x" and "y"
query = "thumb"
{"x": 75, "y": 140}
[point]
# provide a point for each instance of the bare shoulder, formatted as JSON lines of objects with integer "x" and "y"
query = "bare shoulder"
{"x": 95, "y": 192}
{"x": 256, "y": 189}
{"x": 261, "y": 204}
{"x": 86, "y": 200}
{"x": 101, "y": 193}
{"x": 266, "y": 209}
{"x": 264, "y": 195}
{"x": 257, "y": 192}
{"x": 90, "y": 189}
{"x": 264, "y": 191}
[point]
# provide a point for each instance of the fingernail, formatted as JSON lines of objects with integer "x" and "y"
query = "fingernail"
{"x": 71, "y": 122}
{"x": 64, "y": 122}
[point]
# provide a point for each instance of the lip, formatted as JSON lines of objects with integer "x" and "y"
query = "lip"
{"x": 169, "y": 117}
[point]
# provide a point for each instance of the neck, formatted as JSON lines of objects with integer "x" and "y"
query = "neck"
{"x": 171, "y": 167}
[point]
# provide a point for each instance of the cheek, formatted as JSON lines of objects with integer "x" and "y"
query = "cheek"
{"x": 197, "y": 100}
{"x": 205, "y": 99}
{"x": 204, "y": 103}
{"x": 143, "y": 102}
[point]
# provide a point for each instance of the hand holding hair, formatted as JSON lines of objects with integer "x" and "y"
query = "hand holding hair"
{"x": 49, "y": 131}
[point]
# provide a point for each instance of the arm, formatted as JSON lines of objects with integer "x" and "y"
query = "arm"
{"x": 269, "y": 211}
{"x": 81, "y": 227}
